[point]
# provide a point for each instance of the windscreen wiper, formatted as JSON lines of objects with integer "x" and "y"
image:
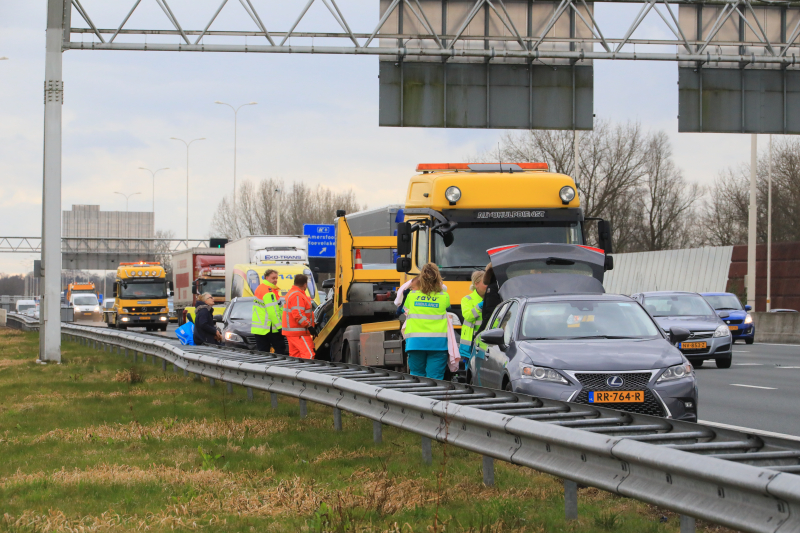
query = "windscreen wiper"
{"x": 605, "y": 337}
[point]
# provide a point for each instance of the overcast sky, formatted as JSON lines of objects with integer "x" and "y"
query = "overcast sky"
{"x": 316, "y": 120}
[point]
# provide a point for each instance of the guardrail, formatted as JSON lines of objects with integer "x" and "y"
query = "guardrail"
{"x": 739, "y": 480}
{"x": 22, "y": 322}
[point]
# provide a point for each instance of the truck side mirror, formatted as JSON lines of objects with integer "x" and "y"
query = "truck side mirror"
{"x": 328, "y": 283}
{"x": 604, "y": 236}
{"x": 169, "y": 285}
{"x": 194, "y": 289}
{"x": 404, "y": 264}
{"x": 609, "y": 263}
{"x": 114, "y": 290}
{"x": 404, "y": 238}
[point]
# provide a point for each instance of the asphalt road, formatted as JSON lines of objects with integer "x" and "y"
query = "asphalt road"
{"x": 760, "y": 391}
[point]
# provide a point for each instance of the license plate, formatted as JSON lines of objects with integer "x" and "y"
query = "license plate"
{"x": 733, "y": 328}
{"x": 616, "y": 396}
{"x": 693, "y": 345}
{"x": 144, "y": 318}
{"x": 87, "y": 314}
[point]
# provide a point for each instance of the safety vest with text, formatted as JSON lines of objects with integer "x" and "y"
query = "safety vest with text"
{"x": 473, "y": 318}
{"x": 266, "y": 311}
{"x": 297, "y": 313}
{"x": 426, "y": 321}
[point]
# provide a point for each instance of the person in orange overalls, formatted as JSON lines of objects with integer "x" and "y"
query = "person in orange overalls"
{"x": 298, "y": 320}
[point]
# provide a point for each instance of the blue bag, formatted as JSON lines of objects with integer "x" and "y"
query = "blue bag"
{"x": 185, "y": 334}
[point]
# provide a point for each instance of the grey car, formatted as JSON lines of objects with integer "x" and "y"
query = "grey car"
{"x": 710, "y": 337}
{"x": 558, "y": 335}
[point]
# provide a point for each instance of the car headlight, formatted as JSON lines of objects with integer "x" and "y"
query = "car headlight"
{"x": 748, "y": 319}
{"x": 722, "y": 331}
{"x": 541, "y": 373}
{"x": 676, "y": 372}
{"x": 567, "y": 194}
{"x": 233, "y": 337}
{"x": 453, "y": 194}
{"x": 97, "y": 309}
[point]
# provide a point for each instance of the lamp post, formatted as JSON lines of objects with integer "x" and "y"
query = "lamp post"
{"x": 154, "y": 172}
{"x": 127, "y": 197}
{"x": 235, "y": 135}
{"x": 187, "y": 180}
{"x": 769, "y": 228}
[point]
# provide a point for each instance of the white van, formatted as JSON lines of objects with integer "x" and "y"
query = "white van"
{"x": 25, "y": 305}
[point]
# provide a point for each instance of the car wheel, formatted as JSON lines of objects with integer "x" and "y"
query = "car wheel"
{"x": 697, "y": 364}
{"x": 346, "y": 354}
{"x": 749, "y": 341}
{"x": 507, "y": 386}
{"x": 724, "y": 362}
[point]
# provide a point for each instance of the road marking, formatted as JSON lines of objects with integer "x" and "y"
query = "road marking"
{"x": 782, "y": 367}
{"x": 752, "y": 386}
{"x": 751, "y": 430}
{"x": 749, "y": 364}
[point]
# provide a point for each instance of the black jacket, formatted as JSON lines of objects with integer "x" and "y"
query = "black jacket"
{"x": 490, "y": 302}
{"x": 205, "y": 330}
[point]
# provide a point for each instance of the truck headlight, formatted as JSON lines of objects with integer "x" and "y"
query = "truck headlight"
{"x": 124, "y": 319}
{"x": 452, "y": 194}
{"x": 541, "y": 373}
{"x": 163, "y": 319}
{"x": 567, "y": 194}
{"x": 676, "y": 372}
{"x": 722, "y": 331}
{"x": 748, "y": 319}
{"x": 233, "y": 337}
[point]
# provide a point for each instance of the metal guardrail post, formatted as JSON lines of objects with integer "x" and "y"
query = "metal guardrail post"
{"x": 488, "y": 471}
{"x": 427, "y": 452}
{"x": 377, "y": 432}
{"x": 185, "y": 372}
{"x": 164, "y": 365}
{"x": 230, "y": 388}
{"x": 687, "y": 524}
{"x": 337, "y": 419}
{"x": 570, "y": 500}
{"x": 273, "y": 398}
{"x": 174, "y": 368}
{"x": 303, "y": 408}
{"x": 210, "y": 380}
{"x": 249, "y": 392}
{"x": 144, "y": 357}
{"x": 134, "y": 357}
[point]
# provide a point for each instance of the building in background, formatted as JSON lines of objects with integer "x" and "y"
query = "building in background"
{"x": 88, "y": 221}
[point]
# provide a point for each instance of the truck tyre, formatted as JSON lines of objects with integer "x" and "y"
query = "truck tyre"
{"x": 724, "y": 362}
{"x": 347, "y": 354}
{"x": 164, "y": 327}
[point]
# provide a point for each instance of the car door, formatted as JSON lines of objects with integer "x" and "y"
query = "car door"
{"x": 486, "y": 368}
{"x": 496, "y": 356}
{"x": 478, "y": 360}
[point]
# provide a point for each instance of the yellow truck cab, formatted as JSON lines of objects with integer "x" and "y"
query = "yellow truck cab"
{"x": 140, "y": 297}
{"x": 453, "y": 214}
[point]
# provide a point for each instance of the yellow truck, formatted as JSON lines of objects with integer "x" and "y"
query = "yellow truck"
{"x": 452, "y": 215}
{"x": 140, "y": 297}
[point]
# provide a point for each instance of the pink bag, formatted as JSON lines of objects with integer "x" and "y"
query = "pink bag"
{"x": 452, "y": 346}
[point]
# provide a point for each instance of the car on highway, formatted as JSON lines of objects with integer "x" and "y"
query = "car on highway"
{"x": 710, "y": 337}
{"x": 173, "y": 317}
{"x": 236, "y": 322}
{"x": 738, "y": 318}
{"x": 558, "y": 335}
{"x": 86, "y": 307}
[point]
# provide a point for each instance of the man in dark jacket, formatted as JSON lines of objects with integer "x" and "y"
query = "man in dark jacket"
{"x": 491, "y": 298}
{"x": 205, "y": 330}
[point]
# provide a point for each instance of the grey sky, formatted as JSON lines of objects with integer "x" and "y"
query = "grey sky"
{"x": 317, "y": 118}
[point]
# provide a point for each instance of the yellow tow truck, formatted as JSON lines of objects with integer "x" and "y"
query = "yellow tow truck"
{"x": 140, "y": 297}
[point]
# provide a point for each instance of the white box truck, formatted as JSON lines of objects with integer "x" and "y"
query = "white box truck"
{"x": 264, "y": 250}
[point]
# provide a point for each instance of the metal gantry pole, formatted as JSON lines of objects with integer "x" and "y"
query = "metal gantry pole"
{"x": 50, "y": 338}
{"x": 751, "y": 225}
{"x": 769, "y": 228}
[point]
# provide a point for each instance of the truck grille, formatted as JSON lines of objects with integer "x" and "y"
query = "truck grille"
{"x": 633, "y": 381}
{"x": 150, "y": 309}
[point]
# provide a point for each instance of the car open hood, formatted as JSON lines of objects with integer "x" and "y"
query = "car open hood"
{"x": 692, "y": 323}
{"x": 601, "y": 354}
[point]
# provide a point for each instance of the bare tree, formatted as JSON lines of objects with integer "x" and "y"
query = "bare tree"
{"x": 299, "y": 204}
{"x": 162, "y": 251}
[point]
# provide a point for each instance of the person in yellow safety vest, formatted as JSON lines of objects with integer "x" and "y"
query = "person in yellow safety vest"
{"x": 426, "y": 325}
{"x": 471, "y": 306}
{"x": 266, "y": 324}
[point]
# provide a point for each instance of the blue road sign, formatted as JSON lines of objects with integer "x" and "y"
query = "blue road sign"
{"x": 321, "y": 239}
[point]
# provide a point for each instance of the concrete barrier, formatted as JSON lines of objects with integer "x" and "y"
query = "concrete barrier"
{"x": 778, "y": 328}
{"x": 3, "y": 318}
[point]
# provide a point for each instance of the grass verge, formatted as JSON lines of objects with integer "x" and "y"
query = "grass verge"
{"x": 99, "y": 443}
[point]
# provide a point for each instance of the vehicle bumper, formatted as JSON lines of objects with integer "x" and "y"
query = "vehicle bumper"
{"x": 745, "y": 331}
{"x": 718, "y": 347}
{"x": 87, "y": 316}
{"x": 146, "y": 320}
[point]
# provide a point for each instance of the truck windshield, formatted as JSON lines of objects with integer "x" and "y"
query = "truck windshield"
{"x": 144, "y": 289}
{"x": 470, "y": 243}
{"x": 216, "y": 287}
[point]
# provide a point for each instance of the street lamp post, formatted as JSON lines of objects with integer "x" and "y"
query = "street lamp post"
{"x": 235, "y": 136}
{"x": 154, "y": 172}
{"x": 769, "y": 228}
{"x": 127, "y": 196}
{"x": 187, "y": 180}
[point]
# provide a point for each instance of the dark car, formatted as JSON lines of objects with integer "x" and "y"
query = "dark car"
{"x": 558, "y": 335}
{"x": 236, "y": 322}
{"x": 710, "y": 337}
{"x": 730, "y": 310}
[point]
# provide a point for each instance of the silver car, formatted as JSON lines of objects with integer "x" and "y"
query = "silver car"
{"x": 710, "y": 337}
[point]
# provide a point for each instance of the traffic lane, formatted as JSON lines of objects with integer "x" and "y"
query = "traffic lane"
{"x": 759, "y": 391}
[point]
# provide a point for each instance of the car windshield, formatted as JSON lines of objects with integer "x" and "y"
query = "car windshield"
{"x": 724, "y": 302}
{"x": 471, "y": 242}
{"x": 145, "y": 289}
{"x": 586, "y": 320}
{"x": 677, "y": 305}
{"x": 242, "y": 311}
{"x": 86, "y": 299}
{"x": 108, "y": 304}
{"x": 216, "y": 287}
{"x": 26, "y": 307}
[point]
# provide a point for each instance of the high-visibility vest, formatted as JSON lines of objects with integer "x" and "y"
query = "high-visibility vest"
{"x": 426, "y": 315}
{"x": 266, "y": 312}
{"x": 473, "y": 317}
{"x": 297, "y": 315}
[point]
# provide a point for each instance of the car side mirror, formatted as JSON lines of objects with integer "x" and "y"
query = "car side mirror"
{"x": 677, "y": 334}
{"x": 328, "y": 283}
{"x": 495, "y": 337}
{"x": 748, "y": 307}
